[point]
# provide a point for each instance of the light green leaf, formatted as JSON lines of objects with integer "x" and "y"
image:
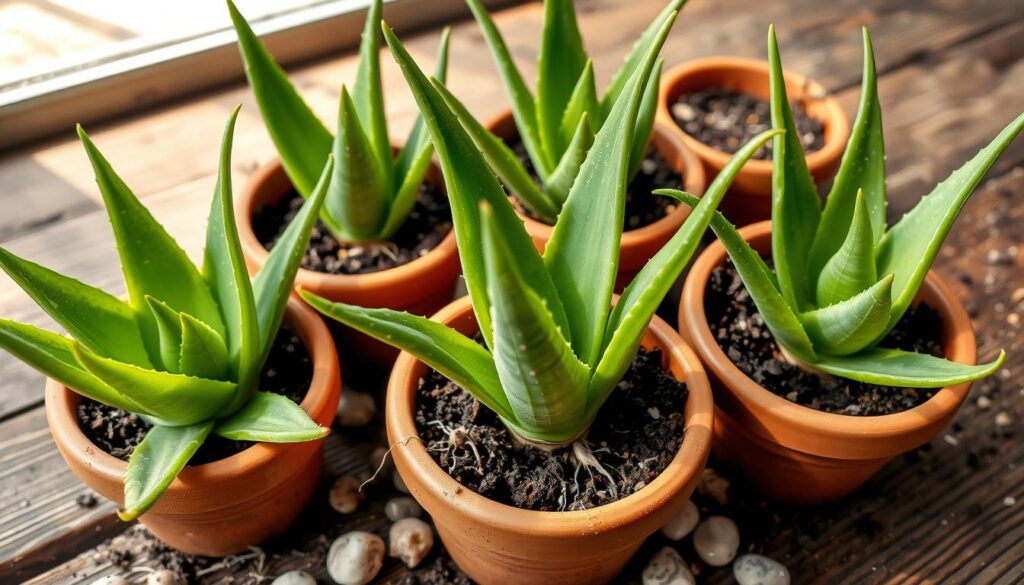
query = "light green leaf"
{"x": 203, "y": 353}
{"x": 852, "y": 269}
{"x": 419, "y": 139}
{"x": 894, "y": 367}
{"x": 852, "y": 324}
{"x": 270, "y": 418}
{"x": 368, "y": 94}
{"x": 582, "y": 102}
{"x": 155, "y": 463}
{"x": 559, "y": 64}
{"x": 168, "y": 326}
{"x": 560, "y": 182}
{"x": 645, "y": 120}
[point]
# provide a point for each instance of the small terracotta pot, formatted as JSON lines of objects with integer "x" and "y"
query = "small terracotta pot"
{"x": 222, "y": 507}
{"x": 639, "y": 245}
{"x": 496, "y": 543}
{"x": 420, "y": 287}
{"x": 798, "y": 454}
{"x": 749, "y": 197}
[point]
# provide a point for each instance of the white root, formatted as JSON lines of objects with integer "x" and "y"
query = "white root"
{"x": 585, "y": 458}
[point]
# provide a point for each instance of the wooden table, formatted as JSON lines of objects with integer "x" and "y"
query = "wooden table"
{"x": 951, "y": 75}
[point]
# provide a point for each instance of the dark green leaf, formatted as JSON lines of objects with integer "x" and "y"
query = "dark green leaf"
{"x": 893, "y": 367}
{"x": 419, "y": 139}
{"x": 559, "y": 64}
{"x": 560, "y": 182}
{"x": 270, "y": 418}
{"x": 582, "y": 102}
{"x": 368, "y": 94}
{"x": 852, "y": 324}
{"x": 645, "y": 120}
{"x": 155, "y": 463}
{"x": 852, "y": 269}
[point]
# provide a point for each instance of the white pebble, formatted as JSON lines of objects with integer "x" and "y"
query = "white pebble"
{"x": 355, "y": 409}
{"x": 759, "y": 570}
{"x": 410, "y": 539}
{"x": 682, "y": 523}
{"x": 398, "y": 508}
{"x": 1003, "y": 420}
{"x": 111, "y": 580}
{"x": 1009, "y": 501}
{"x": 355, "y": 558}
{"x": 716, "y": 540}
{"x": 345, "y": 495}
{"x": 399, "y": 483}
{"x": 163, "y": 577}
{"x": 295, "y": 578}
{"x": 667, "y": 568}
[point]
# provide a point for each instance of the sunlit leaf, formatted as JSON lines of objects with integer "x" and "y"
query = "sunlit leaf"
{"x": 894, "y": 367}
{"x": 582, "y": 102}
{"x": 203, "y": 353}
{"x": 168, "y": 326}
{"x": 852, "y": 268}
{"x": 645, "y": 120}
{"x": 561, "y": 180}
{"x": 852, "y": 324}
{"x": 155, "y": 463}
{"x": 560, "y": 63}
{"x": 270, "y": 418}
{"x": 368, "y": 95}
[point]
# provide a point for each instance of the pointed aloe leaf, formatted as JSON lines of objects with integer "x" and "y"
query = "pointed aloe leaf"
{"x": 583, "y": 253}
{"x": 560, "y": 63}
{"x": 357, "y": 199}
{"x": 469, "y": 181}
{"x": 419, "y": 139}
{"x": 175, "y": 399}
{"x": 582, "y": 102}
{"x": 155, "y": 463}
{"x": 560, "y": 182}
{"x": 53, "y": 355}
{"x": 168, "y": 326}
{"x": 862, "y": 169}
{"x": 270, "y": 418}
{"x": 95, "y": 318}
{"x": 796, "y": 208}
{"x": 641, "y": 298}
{"x": 852, "y": 324}
{"x": 852, "y": 269}
{"x": 909, "y": 248}
{"x": 645, "y": 120}
{"x": 905, "y": 369}
{"x": 760, "y": 283}
{"x": 152, "y": 262}
{"x": 501, "y": 159}
{"x": 300, "y": 137}
{"x": 523, "y": 106}
{"x": 368, "y": 93}
{"x": 203, "y": 353}
{"x": 456, "y": 356}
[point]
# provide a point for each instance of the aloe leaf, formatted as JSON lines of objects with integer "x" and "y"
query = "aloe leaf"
{"x": 419, "y": 139}
{"x": 582, "y": 255}
{"x": 796, "y": 208}
{"x": 52, "y": 355}
{"x": 456, "y": 356}
{"x": 469, "y": 181}
{"x": 176, "y": 399}
{"x": 583, "y": 101}
{"x": 909, "y": 247}
{"x": 546, "y": 385}
{"x": 523, "y": 105}
{"x": 560, "y": 63}
{"x": 862, "y": 169}
{"x": 95, "y": 318}
{"x": 168, "y": 326}
{"x": 300, "y": 137}
{"x": 367, "y": 92}
{"x": 560, "y": 182}
{"x": 852, "y": 268}
{"x": 640, "y": 299}
{"x": 852, "y": 324}
{"x": 154, "y": 464}
{"x": 203, "y": 353}
{"x": 645, "y": 120}
{"x": 906, "y": 369}
{"x": 270, "y": 418}
{"x": 780, "y": 319}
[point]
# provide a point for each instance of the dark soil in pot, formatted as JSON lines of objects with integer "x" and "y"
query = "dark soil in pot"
{"x": 642, "y": 208}
{"x": 635, "y": 436}
{"x": 741, "y": 333}
{"x": 288, "y": 371}
{"x": 726, "y": 120}
{"x": 427, "y": 224}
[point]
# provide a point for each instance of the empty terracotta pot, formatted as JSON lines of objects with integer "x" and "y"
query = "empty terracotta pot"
{"x": 420, "y": 287}
{"x": 749, "y": 198}
{"x": 795, "y": 453}
{"x": 222, "y": 507}
{"x": 499, "y": 544}
{"x": 637, "y": 246}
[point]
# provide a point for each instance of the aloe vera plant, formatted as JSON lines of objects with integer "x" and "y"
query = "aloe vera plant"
{"x": 843, "y": 279}
{"x": 555, "y": 346}
{"x": 558, "y": 125}
{"x": 185, "y": 351}
{"x": 372, "y": 191}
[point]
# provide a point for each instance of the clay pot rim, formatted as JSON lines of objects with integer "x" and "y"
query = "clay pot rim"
{"x": 808, "y": 422}
{"x": 61, "y": 404}
{"x": 836, "y": 124}
{"x": 422, "y": 267}
{"x": 686, "y": 463}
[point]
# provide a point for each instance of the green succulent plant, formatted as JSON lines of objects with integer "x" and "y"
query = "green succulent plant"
{"x": 372, "y": 191}
{"x": 559, "y": 125}
{"x": 555, "y": 346}
{"x": 842, "y": 278}
{"x": 185, "y": 351}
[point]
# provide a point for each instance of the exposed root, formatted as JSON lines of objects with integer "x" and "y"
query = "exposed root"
{"x": 585, "y": 458}
{"x": 458, "y": 439}
{"x": 255, "y": 553}
{"x": 384, "y": 459}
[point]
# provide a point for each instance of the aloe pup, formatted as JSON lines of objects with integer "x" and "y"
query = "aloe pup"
{"x": 842, "y": 278}
{"x": 185, "y": 351}
{"x": 372, "y": 191}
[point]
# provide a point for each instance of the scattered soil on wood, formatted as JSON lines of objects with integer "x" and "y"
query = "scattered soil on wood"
{"x": 635, "y": 436}
{"x": 427, "y": 225}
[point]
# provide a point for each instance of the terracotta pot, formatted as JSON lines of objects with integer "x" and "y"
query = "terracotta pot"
{"x": 749, "y": 198}
{"x": 798, "y": 454}
{"x": 497, "y": 543}
{"x": 420, "y": 287}
{"x": 219, "y": 508}
{"x": 639, "y": 245}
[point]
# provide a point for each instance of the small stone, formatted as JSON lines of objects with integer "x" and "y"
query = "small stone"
{"x": 345, "y": 495}
{"x": 1017, "y": 295}
{"x": 295, "y": 578}
{"x": 716, "y": 540}
{"x": 682, "y": 523}
{"x": 163, "y": 577}
{"x": 984, "y": 402}
{"x": 714, "y": 486}
{"x": 759, "y": 570}
{"x": 355, "y": 558}
{"x": 86, "y": 500}
{"x": 666, "y": 567}
{"x": 1013, "y": 319}
{"x": 1009, "y": 501}
{"x": 399, "y": 483}
{"x": 950, "y": 439}
{"x": 111, "y": 580}
{"x": 1003, "y": 420}
{"x": 355, "y": 409}
{"x": 410, "y": 539}
{"x": 403, "y": 507}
